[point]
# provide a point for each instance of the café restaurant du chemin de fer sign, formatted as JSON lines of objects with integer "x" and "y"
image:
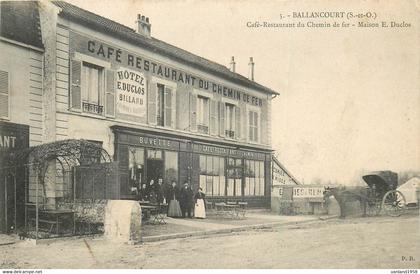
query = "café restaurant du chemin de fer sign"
{"x": 160, "y": 111}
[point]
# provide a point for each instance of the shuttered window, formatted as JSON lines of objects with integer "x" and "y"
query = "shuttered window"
{"x": 92, "y": 89}
{"x": 161, "y": 103}
{"x": 4, "y": 94}
{"x": 203, "y": 114}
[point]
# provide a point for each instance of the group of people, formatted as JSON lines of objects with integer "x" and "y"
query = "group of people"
{"x": 182, "y": 202}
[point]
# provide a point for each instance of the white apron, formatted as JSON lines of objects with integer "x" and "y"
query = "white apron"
{"x": 200, "y": 210}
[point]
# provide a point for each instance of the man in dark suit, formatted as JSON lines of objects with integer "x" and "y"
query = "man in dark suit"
{"x": 186, "y": 200}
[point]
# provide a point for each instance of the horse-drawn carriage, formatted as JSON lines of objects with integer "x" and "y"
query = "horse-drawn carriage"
{"x": 380, "y": 195}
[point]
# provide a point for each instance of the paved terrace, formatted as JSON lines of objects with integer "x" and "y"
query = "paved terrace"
{"x": 182, "y": 228}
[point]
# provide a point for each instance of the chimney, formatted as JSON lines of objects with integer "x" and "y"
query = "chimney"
{"x": 251, "y": 69}
{"x": 232, "y": 64}
{"x": 143, "y": 26}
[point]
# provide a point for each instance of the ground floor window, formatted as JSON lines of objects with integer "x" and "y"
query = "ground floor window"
{"x": 171, "y": 166}
{"x": 212, "y": 175}
{"x": 234, "y": 177}
{"x": 254, "y": 178}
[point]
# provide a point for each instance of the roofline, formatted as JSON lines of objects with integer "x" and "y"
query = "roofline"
{"x": 24, "y": 45}
{"x": 135, "y": 41}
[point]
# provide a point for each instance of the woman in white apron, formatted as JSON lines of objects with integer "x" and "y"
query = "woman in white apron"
{"x": 199, "y": 209}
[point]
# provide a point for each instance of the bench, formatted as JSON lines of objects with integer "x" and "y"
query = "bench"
{"x": 47, "y": 222}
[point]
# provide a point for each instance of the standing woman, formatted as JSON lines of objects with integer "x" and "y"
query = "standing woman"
{"x": 199, "y": 210}
{"x": 174, "y": 209}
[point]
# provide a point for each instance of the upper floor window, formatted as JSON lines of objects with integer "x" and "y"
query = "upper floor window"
{"x": 203, "y": 111}
{"x": 161, "y": 105}
{"x": 253, "y": 126}
{"x": 93, "y": 88}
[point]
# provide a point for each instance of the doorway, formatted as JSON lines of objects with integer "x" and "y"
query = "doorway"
{"x": 7, "y": 203}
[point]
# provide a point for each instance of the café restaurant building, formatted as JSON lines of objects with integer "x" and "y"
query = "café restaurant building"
{"x": 158, "y": 110}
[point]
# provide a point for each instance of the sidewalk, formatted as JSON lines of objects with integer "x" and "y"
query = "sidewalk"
{"x": 183, "y": 228}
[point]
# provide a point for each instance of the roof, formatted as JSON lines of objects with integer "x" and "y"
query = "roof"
{"x": 107, "y": 26}
{"x": 275, "y": 160}
{"x": 19, "y": 21}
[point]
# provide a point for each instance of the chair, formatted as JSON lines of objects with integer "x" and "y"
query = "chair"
{"x": 209, "y": 205}
{"x": 242, "y": 208}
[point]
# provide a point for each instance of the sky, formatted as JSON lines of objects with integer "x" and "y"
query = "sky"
{"x": 349, "y": 97}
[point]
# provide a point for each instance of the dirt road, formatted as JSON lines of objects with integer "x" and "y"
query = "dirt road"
{"x": 353, "y": 243}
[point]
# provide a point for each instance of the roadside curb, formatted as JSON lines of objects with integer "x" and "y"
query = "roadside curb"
{"x": 209, "y": 233}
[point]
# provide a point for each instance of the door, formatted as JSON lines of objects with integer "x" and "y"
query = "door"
{"x": 7, "y": 204}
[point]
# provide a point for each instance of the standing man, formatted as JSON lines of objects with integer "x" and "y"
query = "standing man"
{"x": 159, "y": 191}
{"x": 186, "y": 200}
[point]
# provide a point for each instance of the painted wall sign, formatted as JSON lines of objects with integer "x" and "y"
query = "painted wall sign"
{"x": 131, "y": 92}
{"x": 127, "y": 59}
{"x": 308, "y": 192}
{"x": 227, "y": 152}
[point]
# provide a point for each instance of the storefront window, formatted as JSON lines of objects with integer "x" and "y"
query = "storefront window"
{"x": 136, "y": 167}
{"x": 212, "y": 179}
{"x": 234, "y": 181}
{"x": 254, "y": 178}
{"x": 171, "y": 166}
{"x": 154, "y": 154}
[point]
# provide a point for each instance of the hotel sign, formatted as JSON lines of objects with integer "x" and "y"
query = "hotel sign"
{"x": 131, "y": 92}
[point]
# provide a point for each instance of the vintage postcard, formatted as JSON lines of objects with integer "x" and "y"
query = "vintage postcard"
{"x": 188, "y": 134}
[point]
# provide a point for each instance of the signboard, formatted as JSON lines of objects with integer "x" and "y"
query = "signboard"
{"x": 308, "y": 192}
{"x": 121, "y": 57}
{"x": 223, "y": 151}
{"x": 131, "y": 92}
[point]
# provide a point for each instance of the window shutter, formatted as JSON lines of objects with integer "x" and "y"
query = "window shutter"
{"x": 222, "y": 119}
{"x": 243, "y": 123}
{"x": 110, "y": 94}
{"x": 257, "y": 127}
{"x": 250, "y": 124}
{"x": 214, "y": 129}
{"x": 237, "y": 122}
{"x": 151, "y": 106}
{"x": 76, "y": 86}
{"x": 265, "y": 136}
{"x": 193, "y": 112}
{"x": 168, "y": 107}
{"x": 4, "y": 94}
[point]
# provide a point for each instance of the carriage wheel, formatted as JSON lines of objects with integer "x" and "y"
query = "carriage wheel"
{"x": 393, "y": 203}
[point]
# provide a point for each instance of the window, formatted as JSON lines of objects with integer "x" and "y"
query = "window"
{"x": 212, "y": 175}
{"x": 136, "y": 167}
{"x": 4, "y": 94}
{"x": 253, "y": 126}
{"x": 234, "y": 177}
{"x": 230, "y": 120}
{"x": 92, "y": 88}
{"x": 171, "y": 166}
{"x": 254, "y": 178}
{"x": 160, "y": 105}
{"x": 203, "y": 112}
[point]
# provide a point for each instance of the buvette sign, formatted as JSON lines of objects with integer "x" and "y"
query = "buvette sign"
{"x": 131, "y": 92}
